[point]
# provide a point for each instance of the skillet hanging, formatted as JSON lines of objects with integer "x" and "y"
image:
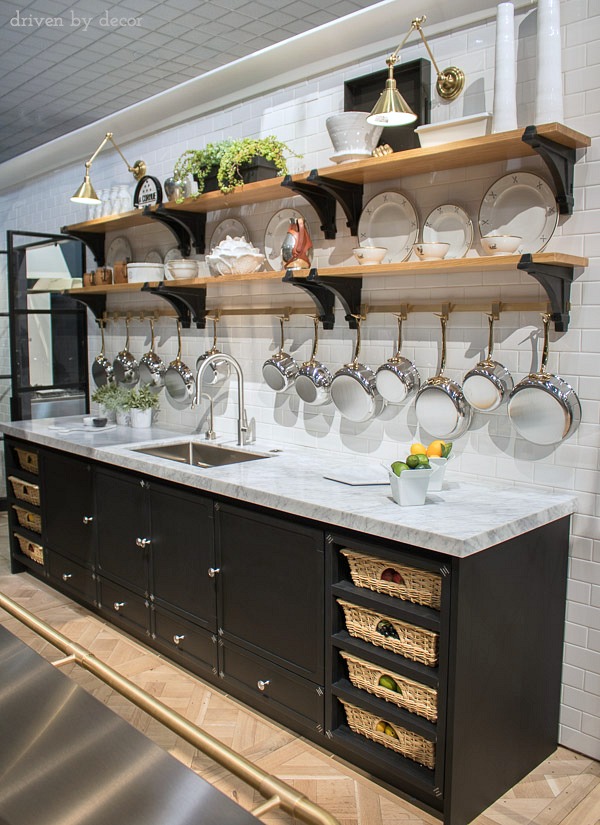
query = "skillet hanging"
{"x": 313, "y": 382}
{"x": 398, "y": 378}
{"x": 152, "y": 367}
{"x": 180, "y": 383}
{"x": 281, "y": 369}
{"x": 489, "y": 383}
{"x": 353, "y": 388}
{"x": 219, "y": 370}
{"x": 102, "y": 370}
{"x": 125, "y": 365}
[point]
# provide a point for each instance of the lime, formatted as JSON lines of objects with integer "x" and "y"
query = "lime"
{"x": 398, "y": 467}
{"x": 424, "y": 466}
{"x": 446, "y": 449}
{"x": 387, "y": 682}
{"x": 423, "y": 459}
{"x": 413, "y": 461}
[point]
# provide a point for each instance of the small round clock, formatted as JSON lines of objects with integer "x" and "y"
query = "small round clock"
{"x": 148, "y": 192}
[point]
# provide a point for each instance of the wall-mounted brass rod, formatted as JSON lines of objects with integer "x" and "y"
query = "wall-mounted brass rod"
{"x": 451, "y": 307}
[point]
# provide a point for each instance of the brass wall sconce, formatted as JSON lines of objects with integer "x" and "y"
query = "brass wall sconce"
{"x": 86, "y": 192}
{"x": 391, "y": 109}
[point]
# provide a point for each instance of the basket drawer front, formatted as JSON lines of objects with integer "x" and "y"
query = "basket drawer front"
{"x": 28, "y": 460}
{"x": 25, "y": 491}
{"x": 392, "y": 687}
{"x": 184, "y": 641}
{"x": 31, "y": 549}
{"x": 28, "y": 520}
{"x": 72, "y": 577}
{"x": 123, "y": 607}
{"x": 408, "y": 640}
{"x": 398, "y": 580}
{"x": 390, "y": 735}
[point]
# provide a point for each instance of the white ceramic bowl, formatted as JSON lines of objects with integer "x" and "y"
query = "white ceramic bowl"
{"x": 182, "y": 268}
{"x": 431, "y": 251}
{"x": 500, "y": 244}
{"x": 141, "y": 272}
{"x": 351, "y": 134}
{"x": 368, "y": 255}
{"x": 447, "y": 131}
{"x": 410, "y": 487}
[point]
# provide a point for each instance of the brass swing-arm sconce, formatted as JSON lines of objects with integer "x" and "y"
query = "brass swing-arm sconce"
{"x": 86, "y": 192}
{"x": 391, "y": 109}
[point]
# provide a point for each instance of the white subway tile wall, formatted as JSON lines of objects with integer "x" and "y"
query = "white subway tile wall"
{"x": 490, "y": 449}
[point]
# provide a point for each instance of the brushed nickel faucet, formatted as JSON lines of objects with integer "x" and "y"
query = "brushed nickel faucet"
{"x": 242, "y": 419}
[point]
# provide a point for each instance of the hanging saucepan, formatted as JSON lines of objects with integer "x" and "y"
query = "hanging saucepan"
{"x": 489, "y": 383}
{"x": 398, "y": 378}
{"x": 353, "y": 388}
{"x": 179, "y": 380}
{"x": 127, "y": 369}
{"x": 217, "y": 371}
{"x": 152, "y": 367}
{"x": 102, "y": 370}
{"x": 280, "y": 370}
{"x": 313, "y": 382}
{"x": 544, "y": 408}
{"x": 441, "y": 407}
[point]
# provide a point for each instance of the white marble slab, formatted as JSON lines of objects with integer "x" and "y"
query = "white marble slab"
{"x": 464, "y": 518}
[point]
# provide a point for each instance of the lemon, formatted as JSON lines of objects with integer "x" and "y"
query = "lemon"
{"x": 436, "y": 449}
{"x": 398, "y": 467}
{"x": 389, "y": 731}
{"x": 381, "y": 726}
{"x": 417, "y": 448}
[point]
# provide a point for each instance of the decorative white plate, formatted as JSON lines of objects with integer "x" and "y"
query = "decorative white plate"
{"x": 275, "y": 234}
{"x": 119, "y": 249}
{"x": 346, "y": 157}
{"x": 449, "y": 223}
{"x": 172, "y": 254}
{"x": 520, "y": 204}
{"x": 153, "y": 257}
{"x": 230, "y": 226}
{"x": 389, "y": 219}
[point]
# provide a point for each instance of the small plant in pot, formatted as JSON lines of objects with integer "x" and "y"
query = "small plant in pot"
{"x": 248, "y": 152}
{"x": 200, "y": 164}
{"x": 141, "y": 404}
{"x": 107, "y": 397}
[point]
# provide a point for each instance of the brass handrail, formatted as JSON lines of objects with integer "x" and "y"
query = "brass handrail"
{"x": 276, "y": 792}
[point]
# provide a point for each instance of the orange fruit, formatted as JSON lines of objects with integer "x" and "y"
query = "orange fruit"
{"x": 416, "y": 449}
{"x": 435, "y": 449}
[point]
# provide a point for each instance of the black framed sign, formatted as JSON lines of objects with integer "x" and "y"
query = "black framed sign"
{"x": 148, "y": 192}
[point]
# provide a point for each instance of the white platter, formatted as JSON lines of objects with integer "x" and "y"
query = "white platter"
{"x": 449, "y": 223}
{"x": 231, "y": 227}
{"x": 153, "y": 257}
{"x": 172, "y": 254}
{"x": 119, "y": 249}
{"x": 275, "y": 234}
{"x": 389, "y": 219}
{"x": 520, "y": 204}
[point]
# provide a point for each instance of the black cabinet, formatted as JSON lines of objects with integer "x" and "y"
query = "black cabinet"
{"x": 68, "y": 506}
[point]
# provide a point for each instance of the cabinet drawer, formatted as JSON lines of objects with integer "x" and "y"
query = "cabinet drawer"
{"x": 185, "y": 642}
{"x": 123, "y": 607}
{"x": 70, "y": 576}
{"x": 272, "y": 689}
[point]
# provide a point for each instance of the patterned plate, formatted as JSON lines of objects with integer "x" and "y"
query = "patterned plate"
{"x": 389, "y": 219}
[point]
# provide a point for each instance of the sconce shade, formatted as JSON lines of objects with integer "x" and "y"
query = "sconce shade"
{"x": 391, "y": 109}
{"x": 86, "y": 193}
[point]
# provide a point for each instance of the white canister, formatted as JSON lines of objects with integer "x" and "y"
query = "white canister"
{"x": 549, "y": 90}
{"x": 505, "y": 72}
{"x": 141, "y": 418}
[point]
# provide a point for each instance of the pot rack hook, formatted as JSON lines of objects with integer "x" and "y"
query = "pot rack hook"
{"x": 494, "y": 313}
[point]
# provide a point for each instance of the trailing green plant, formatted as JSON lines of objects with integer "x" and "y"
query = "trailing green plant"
{"x": 110, "y": 395}
{"x": 142, "y": 399}
{"x": 200, "y": 163}
{"x": 241, "y": 152}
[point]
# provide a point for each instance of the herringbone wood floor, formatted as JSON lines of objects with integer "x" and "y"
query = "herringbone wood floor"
{"x": 564, "y": 790}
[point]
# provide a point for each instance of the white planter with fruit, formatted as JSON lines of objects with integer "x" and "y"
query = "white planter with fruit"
{"x": 421, "y": 472}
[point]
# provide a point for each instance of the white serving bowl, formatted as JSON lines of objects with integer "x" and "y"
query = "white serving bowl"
{"x": 182, "y": 268}
{"x": 410, "y": 487}
{"x": 448, "y": 131}
{"x": 142, "y": 272}
{"x": 500, "y": 244}
{"x": 432, "y": 251}
{"x": 369, "y": 255}
{"x": 350, "y": 133}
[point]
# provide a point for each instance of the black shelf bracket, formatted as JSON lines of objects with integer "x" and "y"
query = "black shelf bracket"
{"x": 93, "y": 240}
{"x": 95, "y": 303}
{"x": 188, "y": 302}
{"x": 322, "y": 202}
{"x": 187, "y": 227}
{"x": 324, "y": 291}
{"x": 556, "y": 280}
{"x": 348, "y": 195}
{"x": 560, "y": 161}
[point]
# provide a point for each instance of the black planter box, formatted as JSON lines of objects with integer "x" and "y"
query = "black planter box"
{"x": 258, "y": 169}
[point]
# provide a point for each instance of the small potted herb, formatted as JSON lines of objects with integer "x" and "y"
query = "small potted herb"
{"x": 201, "y": 164}
{"x": 266, "y": 156}
{"x": 107, "y": 398}
{"x": 140, "y": 404}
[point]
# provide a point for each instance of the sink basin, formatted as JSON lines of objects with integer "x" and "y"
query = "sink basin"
{"x": 197, "y": 454}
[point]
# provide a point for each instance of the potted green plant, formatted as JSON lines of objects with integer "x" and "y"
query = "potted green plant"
{"x": 262, "y": 158}
{"x": 200, "y": 164}
{"x": 106, "y": 397}
{"x": 140, "y": 404}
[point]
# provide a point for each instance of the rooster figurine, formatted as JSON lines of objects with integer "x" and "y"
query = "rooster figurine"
{"x": 297, "y": 248}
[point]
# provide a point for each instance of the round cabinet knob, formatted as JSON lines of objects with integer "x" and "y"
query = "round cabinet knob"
{"x": 118, "y": 605}
{"x": 212, "y": 571}
{"x": 143, "y": 543}
{"x": 178, "y": 639}
{"x": 66, "y": 576}
{"x": 261, "y": 685}
{"x": 88, "y": 519}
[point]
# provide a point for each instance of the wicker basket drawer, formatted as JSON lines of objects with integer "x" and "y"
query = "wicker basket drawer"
{"x": 408, "y": 640}
{"x": 31, "y": 521}
{"x": 410, "y": 695}
{"x": 31, "y": 549}
{"x": 27, "y": 460}
{"x": 403, "y": 741}
{"x": 25, "y": 491}
{"x": 408, "y": 583}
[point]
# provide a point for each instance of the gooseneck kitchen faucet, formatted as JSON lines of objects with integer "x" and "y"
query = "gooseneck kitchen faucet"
{"x": 242, "y": 419}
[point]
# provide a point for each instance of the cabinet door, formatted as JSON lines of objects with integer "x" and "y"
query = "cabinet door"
{"x": 68, "y": 506}
{"x": 271, "y": 588}
{"x": 123, "y": 523}
{"x": 182, "y": 552}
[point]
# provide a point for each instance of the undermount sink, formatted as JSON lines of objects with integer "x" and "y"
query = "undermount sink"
{"x": 197, "y": 454}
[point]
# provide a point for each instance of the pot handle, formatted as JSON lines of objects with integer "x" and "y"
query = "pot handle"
{"x": 127, "y": 338}
{"x": 178, "y": 341}
{"x": 151, "y": 321}
{"x": 401, "y": 316}
{"x": 101, "y": 324}
{"x": 443, "y": 321}
{"x": 358, "y": 319}
{"x": 546, "y": 350}
{"x": 313, "y": 354}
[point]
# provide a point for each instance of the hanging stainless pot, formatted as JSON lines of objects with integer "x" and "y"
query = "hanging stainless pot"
{"x": 544, "y": 408}
{"x": 218, "y": 370}
{"x": 441, "y": 407}
{"x": 398, "y": 378}
{"x": 102, "y": 370}
{"x": 489, "y": 383}
{"x": 353, "y": 388}
{"x": 126, "y": 367}
{"x": 281, "y": 369}
{"x": 152, "y": 367}
{"x": 313, "y": 382}
{"x": 180, "y": 383}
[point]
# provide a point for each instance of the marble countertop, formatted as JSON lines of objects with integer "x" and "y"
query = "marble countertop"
{"x": 462, "y": 519}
